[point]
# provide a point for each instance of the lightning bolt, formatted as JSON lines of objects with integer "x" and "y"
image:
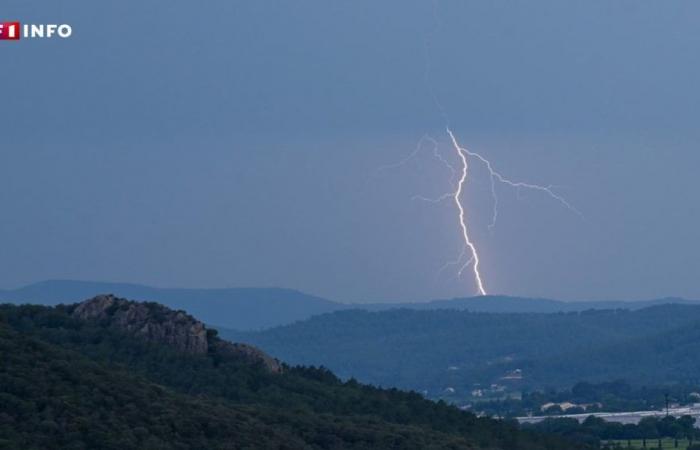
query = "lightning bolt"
{"x": 462, "y": 221}
{"x": 464, "y": 155}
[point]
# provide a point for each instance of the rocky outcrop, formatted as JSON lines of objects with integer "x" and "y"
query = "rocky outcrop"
{"x": 150, "y": 321}
{"x": 157, "y": 323}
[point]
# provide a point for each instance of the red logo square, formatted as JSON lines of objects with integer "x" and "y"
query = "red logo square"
{"x": 9, "y": 31}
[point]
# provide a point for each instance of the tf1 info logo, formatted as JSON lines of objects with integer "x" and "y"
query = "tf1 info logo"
{"x": 12, "y": 31}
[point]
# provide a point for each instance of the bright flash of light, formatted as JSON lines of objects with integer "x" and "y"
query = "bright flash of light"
{"x": 464, "y": 154}
{"x": 462, "y": 221}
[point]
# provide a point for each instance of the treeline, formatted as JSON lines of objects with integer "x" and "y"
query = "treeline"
{"x": 594, "y": 430}
{"x": 67, "y": 383}
{"x": 458, "y": 349}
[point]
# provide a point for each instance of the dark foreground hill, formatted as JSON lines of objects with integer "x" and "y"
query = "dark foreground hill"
{"x": 436, "y": 350}
{"x": 248, "y": 309}
{"x": 114, "y": 374}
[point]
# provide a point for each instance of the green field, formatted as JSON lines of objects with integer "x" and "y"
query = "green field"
{"x": 666, "y": 443}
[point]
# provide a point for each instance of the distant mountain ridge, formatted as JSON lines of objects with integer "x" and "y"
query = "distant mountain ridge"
{"x": 246, "y": 309}
{"x": 235, "y": 308}
{"x": 507, "y": 304}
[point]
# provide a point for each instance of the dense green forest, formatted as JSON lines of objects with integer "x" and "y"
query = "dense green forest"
{"x": 433, "y": 350}
{"x": 71, "y": 383}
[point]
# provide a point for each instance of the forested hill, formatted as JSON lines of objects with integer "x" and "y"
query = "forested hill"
{"x": 115, "y": 374}
{"x": 433, "y": 350}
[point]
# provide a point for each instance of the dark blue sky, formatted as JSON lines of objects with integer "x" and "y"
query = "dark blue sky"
{"x": 229, "y": 143}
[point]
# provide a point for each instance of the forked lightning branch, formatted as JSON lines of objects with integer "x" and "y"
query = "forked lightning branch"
{"x": 469, "y": 253}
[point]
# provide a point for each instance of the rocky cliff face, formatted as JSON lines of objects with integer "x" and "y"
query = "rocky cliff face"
{"x": 157, "y": 323}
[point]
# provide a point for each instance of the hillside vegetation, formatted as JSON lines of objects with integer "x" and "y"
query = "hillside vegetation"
{"x": 116, "y": 374}
{"x": 433, "y": 350}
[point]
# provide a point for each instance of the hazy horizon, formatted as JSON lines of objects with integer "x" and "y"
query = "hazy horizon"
{"x": 350, "y": 302}
{"x": 238, "y": 144}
